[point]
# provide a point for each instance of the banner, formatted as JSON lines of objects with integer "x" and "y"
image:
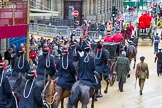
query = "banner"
{"x": 13, "y": 31}
{"x": 13, "y": 19}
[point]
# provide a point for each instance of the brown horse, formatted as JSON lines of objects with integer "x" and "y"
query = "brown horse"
{"x": 53, "y": 94}
{"x": 131, "y": 53}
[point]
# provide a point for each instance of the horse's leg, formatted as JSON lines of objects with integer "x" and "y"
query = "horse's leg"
{"x": 59, "y": 92}
{"x": 76, "y": 104}
{"x": 106, "y": 78}
{"x": 134, "y": 62}
{"x": 62, "y": 103}
{"x": 93, "y": 99}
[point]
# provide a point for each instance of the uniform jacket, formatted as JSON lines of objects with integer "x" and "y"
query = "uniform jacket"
{"x": 42, "y": 67}
{"x": 108, "y": 39}
{"x": 142, "y": 22}
{"x": 6, "y": 97}
{"x": 66, "y": 76}
{"x": 117, "y": 38}
{"x": 142, "y": 70}
{"x": 86, "y": 72}
{"x": 159, "y": 56}
{"x": 101, "y": 62}
{"x": 34, "y": 100}
{"x": 25, "y": 68}
{"x": 122, "y": 68}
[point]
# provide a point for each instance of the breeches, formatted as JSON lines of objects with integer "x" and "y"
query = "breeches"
{"x": 141, "y": 84}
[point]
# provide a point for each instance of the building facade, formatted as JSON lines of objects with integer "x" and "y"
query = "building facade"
{"x": 99, "y": 10}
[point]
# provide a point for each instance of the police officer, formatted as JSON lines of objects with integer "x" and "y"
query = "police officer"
{"x": 122, "y": 68}
{"x": 66, "y": 71}
{"x": 156, "y": 42}
{"x": 101, "y": 60}
{"x": 86, "y": 67}
{"x": 142, "y": 72}
{"x": 159, "y": 62}
{"x": 6, "y": 97}
{"x": 21, "y": 66}
{"x": 31, "y": 95}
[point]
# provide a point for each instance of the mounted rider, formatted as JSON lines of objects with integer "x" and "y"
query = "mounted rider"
{"x": 6, "y": 97}
{"x": 86, "y": 67}
{"x": 46, "y": 65}
{"x": 66, "y": 71}
{"x": 31, "y": 94}
{"x": 21, "y": 66}
{"x": 101, "y": 60}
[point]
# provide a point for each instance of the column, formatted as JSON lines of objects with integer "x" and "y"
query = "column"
{"x": 91, "y": 7}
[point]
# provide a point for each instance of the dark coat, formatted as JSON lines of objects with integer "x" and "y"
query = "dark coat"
{"x": 101, "y": 62}
{"x": 6, "y": 97}
{"x": 34, "y": 100}
{"x": 159, "y": 56}
{"x": 86, "y": 72}
{"x": 17, "y": 70}
{"x": 42, "y": 66}
{"x": 122, "y": 68}
{"x": 66, "y": 76}
{"x": 74, "y": 53}
{"x": 7, "y": 56}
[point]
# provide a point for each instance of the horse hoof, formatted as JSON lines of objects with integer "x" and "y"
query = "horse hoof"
{"x": 96, "y": 99}
{"x": 105, "y": 92}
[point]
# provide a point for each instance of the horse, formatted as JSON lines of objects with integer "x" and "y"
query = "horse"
{"x": 53, "y": 94}
{"x": 82, "y": 93}
{"x": 131, "y": 53}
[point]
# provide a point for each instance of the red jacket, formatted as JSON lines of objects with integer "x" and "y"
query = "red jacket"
{"x": 131, "y": 29}
{"x": 32, "y": 55}
{"x": 108, "y": 39}
{"x": 117, "y": 38}
{"x": 142, "y": 22}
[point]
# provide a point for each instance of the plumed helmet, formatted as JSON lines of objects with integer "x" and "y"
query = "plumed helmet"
{"x": 2, "y": 65}
{"x": 64, "y": 51}
{"x": 99, "y": 44}
{"x": 31, "y": 74}
{"x": 142, "y": 58}
{"x": 46, "y": 50}
{"x": 86, "y": 45}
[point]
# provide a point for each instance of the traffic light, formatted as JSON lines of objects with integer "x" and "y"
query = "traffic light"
{"x": 114, "y": 11}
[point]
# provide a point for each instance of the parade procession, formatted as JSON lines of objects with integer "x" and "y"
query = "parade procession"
{"x": 84, "y": 61}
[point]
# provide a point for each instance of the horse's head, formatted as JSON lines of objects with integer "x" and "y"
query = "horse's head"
{"x": 49, "y": 91}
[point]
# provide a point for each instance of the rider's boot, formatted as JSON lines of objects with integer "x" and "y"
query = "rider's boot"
{"x": 99, "y": 94}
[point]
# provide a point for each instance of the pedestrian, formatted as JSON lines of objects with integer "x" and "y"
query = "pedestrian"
{"x": 142, "y": 72}
{"x": 8, "y": 55}
{"x": 159, "y": 62}
{"x": 31, "y": 95}
{"x": 156, "y": 42}
{"x": 122, "y": 67}
{"x": 6, "y": 96}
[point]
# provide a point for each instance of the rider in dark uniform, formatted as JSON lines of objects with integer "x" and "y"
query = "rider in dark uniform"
{"x": 86, "y": 68}
{"x": 31, "y": 95}
{"x": 6, "y": 97}
{"x": 21, "y": 66}
{"x": 101, "y": 60}
{"x": 46, "y": 65}
{"x": 159, "y": 62}
{"x": 66, "y": 71}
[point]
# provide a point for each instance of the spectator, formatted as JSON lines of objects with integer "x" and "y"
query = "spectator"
{"x": 8, "y": 55}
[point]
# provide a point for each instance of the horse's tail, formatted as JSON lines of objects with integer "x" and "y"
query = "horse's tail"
{"x": 74, "y": 97}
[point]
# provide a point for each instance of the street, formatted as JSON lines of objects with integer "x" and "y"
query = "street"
{"x": 130, "y": 98}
